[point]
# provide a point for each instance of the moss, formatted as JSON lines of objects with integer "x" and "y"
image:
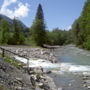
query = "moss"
{"x": 2, "y": 87}
{"x": 14, "y": 62}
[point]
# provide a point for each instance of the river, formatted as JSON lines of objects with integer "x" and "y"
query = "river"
{"x": 72, "y": 72}
{"x": 74, "y": 63}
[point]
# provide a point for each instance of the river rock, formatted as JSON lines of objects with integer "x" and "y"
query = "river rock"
{"x": 36, "y": 76}
{"x": 48, "y": 72}
{"x": 88, "y": 87}
{"x": 32, "y": 52}
{"x": 32, "y": 79}
{"x": 11, "y": 77}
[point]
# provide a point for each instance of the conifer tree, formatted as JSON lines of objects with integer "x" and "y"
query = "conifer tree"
{"x": 38, "y": 28}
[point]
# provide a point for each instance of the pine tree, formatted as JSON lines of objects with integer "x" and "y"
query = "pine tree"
{"x": 38, "y": 28}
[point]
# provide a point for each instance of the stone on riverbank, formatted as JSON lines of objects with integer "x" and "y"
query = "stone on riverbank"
{"x": 28, "y": 52}
{"x": 12, "y": 78}
{"x": 36, "y": 78}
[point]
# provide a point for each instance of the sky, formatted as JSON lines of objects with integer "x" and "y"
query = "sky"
{"x": 57, "y": 13}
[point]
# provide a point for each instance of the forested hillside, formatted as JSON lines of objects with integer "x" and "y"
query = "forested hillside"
{"x": 81, "y": 27}
{"x": 12, "y": 31}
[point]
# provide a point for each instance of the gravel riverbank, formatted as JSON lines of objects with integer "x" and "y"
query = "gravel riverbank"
{"x": 30, "y": 52}
{"x": 29, "y": 78}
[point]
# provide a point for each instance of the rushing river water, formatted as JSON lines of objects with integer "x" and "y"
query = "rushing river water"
{"x": 73, "y": 58}
{"x": 74, "y": 63}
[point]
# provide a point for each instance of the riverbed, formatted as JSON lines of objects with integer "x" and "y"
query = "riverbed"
{"x": 72, "y": 72}
{"x": 74, "y": 67}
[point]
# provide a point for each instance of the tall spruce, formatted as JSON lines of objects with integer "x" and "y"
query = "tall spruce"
{"x": 38, "y": 28}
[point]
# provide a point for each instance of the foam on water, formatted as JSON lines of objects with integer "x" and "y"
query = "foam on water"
{"x": 74, "y": 68}
{"x": 33, "y": 62}
{"x": 63, "y": 67}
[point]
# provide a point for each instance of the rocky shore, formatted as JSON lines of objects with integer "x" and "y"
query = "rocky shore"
{"x": 27, "y": 78}
{"x": 30, "y": 52}
{"x": 86, "y": 80}
{"x": 12, "y": 78}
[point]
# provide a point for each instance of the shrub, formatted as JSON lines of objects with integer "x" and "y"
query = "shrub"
{"x": 86, "y": 44}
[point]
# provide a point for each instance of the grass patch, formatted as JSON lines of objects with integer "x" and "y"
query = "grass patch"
{"x": 14, "y": 62}
{"x": 29, "y": 41}
{"x": 2, "y": 87}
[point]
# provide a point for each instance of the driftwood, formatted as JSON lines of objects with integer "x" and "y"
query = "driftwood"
{"x": 50, "y": 47}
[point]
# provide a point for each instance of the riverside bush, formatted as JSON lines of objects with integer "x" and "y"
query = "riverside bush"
{"x": 86, "y": 44}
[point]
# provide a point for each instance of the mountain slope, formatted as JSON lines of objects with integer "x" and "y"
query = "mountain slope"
{"x": 11, "y": 20}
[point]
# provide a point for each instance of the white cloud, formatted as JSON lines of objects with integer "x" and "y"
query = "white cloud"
{"x": 21, "y": 11}
{"x": 7, "y": 3}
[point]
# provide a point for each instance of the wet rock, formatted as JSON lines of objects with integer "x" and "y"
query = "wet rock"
{"x": 32, "y": 79}
{"x": 18, "y": 88}
{"x": 84, "y": 85}
{"x": 48, "y": 72}
{"x": 88, "y": 87}
{"x": 44, "y": 86}
{"x": 85, "y": 77}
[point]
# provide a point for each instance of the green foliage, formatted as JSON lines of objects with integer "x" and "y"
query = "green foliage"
{"x": 4, "y": 32}
{"x": 38, "y": 28}
{"x": 69, "y": 37}
{"x": 58, "y": 37}
{"x": 79, "y": 35}
{"x": 14, "y": 62}
{"x": 29, "y": 41}
{"x": 86, "y": 44}
{"x": 11, "y": 34}
{"x": 81, "y": 27}
{"x": 18, "y": 36}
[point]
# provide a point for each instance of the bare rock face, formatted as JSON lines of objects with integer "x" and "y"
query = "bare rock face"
{"x": 12, "y": 78}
